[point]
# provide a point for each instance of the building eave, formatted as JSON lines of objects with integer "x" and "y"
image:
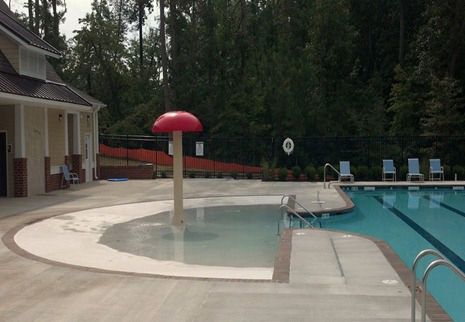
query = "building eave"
{"x": 7, "y": 98}
{"x": 23, "y": 43}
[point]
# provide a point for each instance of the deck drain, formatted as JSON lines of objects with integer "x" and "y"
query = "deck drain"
{"x": 300, "y": 234}
{"x": 346, "y": 236}
{"x": 390, "y": 282}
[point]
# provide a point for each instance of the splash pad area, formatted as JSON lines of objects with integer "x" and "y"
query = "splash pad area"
{"x": 228, "y": 238}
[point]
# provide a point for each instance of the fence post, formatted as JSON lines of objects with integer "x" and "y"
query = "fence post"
{"x": 127, "y": 150}
{"x": 156, "y": 158}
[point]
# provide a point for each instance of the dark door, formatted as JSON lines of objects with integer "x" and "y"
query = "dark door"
{"x": 2, "y": 164}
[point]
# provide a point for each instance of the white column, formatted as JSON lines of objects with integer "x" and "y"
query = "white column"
{"x": 20, "y": 133}
{"x": 96, "y": 138}
{"x": 65, "y": 119}
{"x": 77, "y": 133}
{"x": 46, "y": 146}
{"x": 178, "y": 217}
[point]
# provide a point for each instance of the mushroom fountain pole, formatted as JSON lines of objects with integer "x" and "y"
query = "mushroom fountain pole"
{"x": 177, "y": 122}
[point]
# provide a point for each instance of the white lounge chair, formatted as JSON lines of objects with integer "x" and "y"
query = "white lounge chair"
{"x": 389, "y": 170}
{"x": 344, "y": 171}
{"x": 436, "y": 172}
{"x": 68, "y": 177}
{"x": 414, "y": 170}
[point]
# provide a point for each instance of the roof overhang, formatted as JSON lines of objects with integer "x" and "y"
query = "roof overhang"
{"x": 6, "y": 98}
{"x": 26, "y": 45}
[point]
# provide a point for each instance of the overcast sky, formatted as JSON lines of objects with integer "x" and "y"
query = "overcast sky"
{"x": 76, "y": 9}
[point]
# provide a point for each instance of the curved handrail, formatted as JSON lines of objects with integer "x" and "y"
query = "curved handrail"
{"x": 324, "y": 174}
{"x": 428, "y": 270}
{"x": 296, "y": 214}
{"x": 315, "y": 217}
{"x": 420, "y": 255}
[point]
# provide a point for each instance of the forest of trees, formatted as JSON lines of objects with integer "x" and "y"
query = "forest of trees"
{"x": 269, "y": 67}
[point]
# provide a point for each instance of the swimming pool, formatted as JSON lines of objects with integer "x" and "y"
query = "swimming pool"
{"x": 410, "y": 221}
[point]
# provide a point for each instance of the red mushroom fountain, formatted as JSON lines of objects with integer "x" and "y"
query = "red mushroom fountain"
{"x": 177, "y": 122}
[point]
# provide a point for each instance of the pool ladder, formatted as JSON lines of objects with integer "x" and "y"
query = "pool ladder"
{"x": 441, "y": 261}
{"x": 288, "y": 203}
{"x": 324, "y": 174}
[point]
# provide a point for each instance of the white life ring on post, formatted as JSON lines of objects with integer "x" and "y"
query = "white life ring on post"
{"x": 288, "y": 146}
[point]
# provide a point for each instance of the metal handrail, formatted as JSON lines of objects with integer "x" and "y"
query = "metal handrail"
{"x": 441, "y": 261}
{"x": 324, "y": 174}
{"x": 420, "y": 255}
{"x": 428, "y": 270}
{"x": 315, "y": 217}
{"x": 296, "y": 214}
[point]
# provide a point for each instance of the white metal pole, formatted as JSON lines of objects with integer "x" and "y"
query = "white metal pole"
{"x": 178, "y": 217}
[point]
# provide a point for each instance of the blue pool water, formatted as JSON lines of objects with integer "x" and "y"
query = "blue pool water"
{"x": 410, "y": 221}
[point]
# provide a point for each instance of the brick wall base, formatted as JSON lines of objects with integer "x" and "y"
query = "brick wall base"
{"x": 52, "y": 181}
{"x": 20, "y": 177}
{"x": 131, "y": 172}
{"x": 76, "y": 162}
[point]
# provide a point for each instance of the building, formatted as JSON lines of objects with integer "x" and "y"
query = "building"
{"x": 44, "y": 123}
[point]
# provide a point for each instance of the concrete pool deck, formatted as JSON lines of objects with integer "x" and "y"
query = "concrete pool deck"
{"x": 332, "y": 276}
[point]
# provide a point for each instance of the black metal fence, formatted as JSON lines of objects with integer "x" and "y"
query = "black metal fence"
{"x": 244, "y": 157}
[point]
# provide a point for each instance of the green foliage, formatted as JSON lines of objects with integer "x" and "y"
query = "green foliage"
{"x": 219, "y": 175}
{"x": 282, "y": 174}
{"x": 375, "y": 173}
{"x": 191, "y": 175}
{"x": 402, "y": 172}
{"x": 163, "y": 174}
{"x": 446, "y": 109}
{"x": 310, "y": 172}
{"x": 363, "y": 173}
{"x": 249, "y": 175}
{"x": 296, "y": 172}
{"x": 268, "y": 170}
{"x": 275, "y": 68}
{"x": 460, "y": 171}
{"x": 448, "y": 175}
{"x": 233, "y": 175}
{"x": 320, "y": 173}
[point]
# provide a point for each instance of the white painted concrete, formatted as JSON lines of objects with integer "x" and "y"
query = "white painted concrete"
{"x": 73, "y": 238}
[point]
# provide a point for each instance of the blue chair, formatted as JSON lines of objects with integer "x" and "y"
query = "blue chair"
{"x": 389, "y": 170}
{"x": 414, "y": 170}
{"x": 436, "y": 172}
{"x": 68, "y": 177}
{"x": 344, "y": 171}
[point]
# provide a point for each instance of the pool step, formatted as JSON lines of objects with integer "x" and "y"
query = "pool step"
{"x": 322, "y": 266}
{"x": 323, "y": 257}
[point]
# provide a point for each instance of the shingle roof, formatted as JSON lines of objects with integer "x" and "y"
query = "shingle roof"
{"x": 31, "y": 87}
{"x": 51, "y": 74}
{"x": 5, "y": 65}
{"x": 9, "y": 21}
{"x": 86, "y": 96}
{"x": 12, "y": 83}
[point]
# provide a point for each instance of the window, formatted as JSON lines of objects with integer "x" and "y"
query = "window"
{"x": 32, "y": 64}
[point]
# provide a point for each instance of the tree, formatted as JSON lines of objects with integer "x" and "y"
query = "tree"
{"x": 445, "y": 111}
{"x": 164, "y": 57}
{"x": 405, "y": 105}
{"x": 96, "y": 60}
{"x": 137, "y": 12}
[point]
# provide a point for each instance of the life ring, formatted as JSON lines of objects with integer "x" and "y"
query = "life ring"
{"x": 288, "y": 146}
